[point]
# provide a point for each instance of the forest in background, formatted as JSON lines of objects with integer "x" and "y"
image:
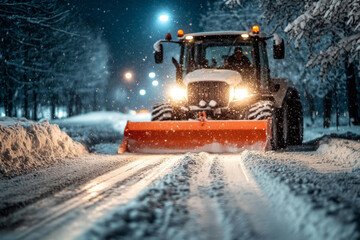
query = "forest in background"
{"x": 50, "y": 61}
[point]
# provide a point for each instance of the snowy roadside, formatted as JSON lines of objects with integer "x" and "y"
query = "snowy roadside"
{"x": 100, "y": 131}
{"x": 314, "y": 133}
{"x": 317, "y": 190}
{"x": 27, "y": 146}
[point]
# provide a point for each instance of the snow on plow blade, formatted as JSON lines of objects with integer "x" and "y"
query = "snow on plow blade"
{"x": 196, "y": 136}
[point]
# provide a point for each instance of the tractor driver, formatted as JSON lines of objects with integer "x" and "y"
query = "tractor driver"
{"x": 239, "y": 62}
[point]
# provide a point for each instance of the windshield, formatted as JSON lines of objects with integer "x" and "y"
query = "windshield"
{"x": 214, "y": 53}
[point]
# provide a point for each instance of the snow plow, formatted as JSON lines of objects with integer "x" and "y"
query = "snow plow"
{"x": 224, "y": 99}
{"x": 196, "y": 136}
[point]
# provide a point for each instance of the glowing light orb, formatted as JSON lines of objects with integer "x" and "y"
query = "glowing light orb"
{"x": 142, "y": 92}
{"x": 128, "y": 75}
{"x": 155, "y": 83}
{"x": 164, "y": 18}
{"x": 152, "y": 75}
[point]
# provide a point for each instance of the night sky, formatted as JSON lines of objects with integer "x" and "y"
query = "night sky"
{"x": 131, "y": 28}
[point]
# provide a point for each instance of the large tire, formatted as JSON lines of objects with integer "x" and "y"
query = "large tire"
{"x": 293, "y": 122}
{"x": 262, "y": 110}
{"x": 162, "y": 112}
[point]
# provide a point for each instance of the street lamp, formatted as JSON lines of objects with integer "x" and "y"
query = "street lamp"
{"x": 142, "y": 92}
{"x": 128, "y": 75}
{"x": 155, "y": 83}
{"x": 152, "y": 75}
{"x": 164, "y": 18}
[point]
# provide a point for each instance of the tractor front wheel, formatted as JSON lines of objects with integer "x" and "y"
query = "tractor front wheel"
{"x": 162, "y": 112}
{"x": 262, "y": 110}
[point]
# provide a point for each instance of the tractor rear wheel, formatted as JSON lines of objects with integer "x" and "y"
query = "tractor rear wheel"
{"x": 262, "y": 110}
{"x": 162, "y": 112}
{"x": 293, "y": 122}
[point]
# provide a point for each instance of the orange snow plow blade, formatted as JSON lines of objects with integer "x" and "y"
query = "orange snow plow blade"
{"x": 196, "y": 136}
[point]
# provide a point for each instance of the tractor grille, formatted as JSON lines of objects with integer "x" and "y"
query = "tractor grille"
{"x": 207, "y": 91}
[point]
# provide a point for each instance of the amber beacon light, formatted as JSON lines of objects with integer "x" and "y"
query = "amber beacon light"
{"x": 255, "y": 29}
{"x": 180, "y": 33}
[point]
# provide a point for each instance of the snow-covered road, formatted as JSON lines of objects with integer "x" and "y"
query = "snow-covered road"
{"x": 226, "y": 203}
{"x": 71, "y": 211}
{"x": 253, "y": 195}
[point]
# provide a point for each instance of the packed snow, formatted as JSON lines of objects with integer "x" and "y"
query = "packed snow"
{"x": 154, "y": 210}
{"x": 26, "y": 146}
{"x": 341, "y": 152}
{"x": 317, "y": 191}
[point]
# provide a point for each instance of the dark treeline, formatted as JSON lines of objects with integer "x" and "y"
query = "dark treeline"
{"x": 49, "y": 59}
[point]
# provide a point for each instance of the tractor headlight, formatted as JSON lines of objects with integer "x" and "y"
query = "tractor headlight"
{"x": 240, "y": 93}
{"x": 178, "y": 93}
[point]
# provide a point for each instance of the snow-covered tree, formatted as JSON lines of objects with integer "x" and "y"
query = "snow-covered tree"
{"x": 221, "y": 17}
{"x": 330, "y": 29}
{"x": 339, "y": 19}
{"x": 49, "y": 57}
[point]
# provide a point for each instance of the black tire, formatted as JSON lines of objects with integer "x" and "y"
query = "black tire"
{"x": 262, "y": 110}
{"x": 293, "y": 122}
{"x": 162, "y": 112}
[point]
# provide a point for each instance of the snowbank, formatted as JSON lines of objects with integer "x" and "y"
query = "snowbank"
{"x": 27, "y": 145}
{"x": 98, "y": 127}
{"x": 341, "y": 152}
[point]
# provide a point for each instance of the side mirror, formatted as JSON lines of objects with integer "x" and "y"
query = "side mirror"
{"x": 159, "y": 54}
{"x": 279, "y": 47}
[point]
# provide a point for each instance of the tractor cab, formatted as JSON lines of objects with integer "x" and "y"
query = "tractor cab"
{"x": 243, "y": 52}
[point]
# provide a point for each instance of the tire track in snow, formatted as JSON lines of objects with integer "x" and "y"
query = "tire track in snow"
{"x": 158, "y": 212}
{"x": 253, "y": 207}
{"x": 226, "y": 203}
{"x": 204, "y": 215}
{"x": 67, "y": 219}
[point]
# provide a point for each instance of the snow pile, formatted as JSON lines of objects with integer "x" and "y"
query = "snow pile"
{"x": 27, "y": 145}
{"x": 155, "y": 211}
{"x": 342, "y": 152}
